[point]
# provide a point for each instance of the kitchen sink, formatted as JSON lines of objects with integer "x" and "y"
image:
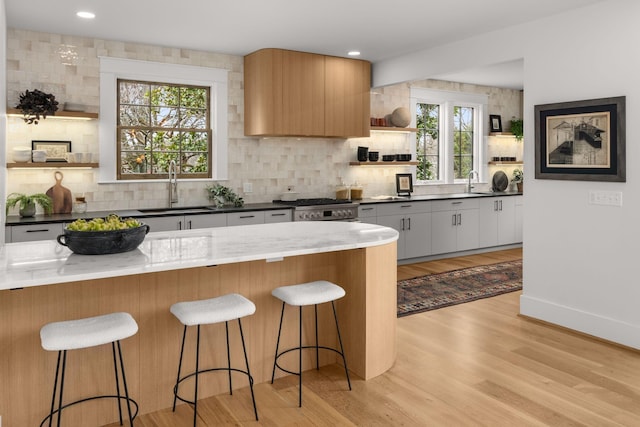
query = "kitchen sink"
{"x": 176, "y": 211}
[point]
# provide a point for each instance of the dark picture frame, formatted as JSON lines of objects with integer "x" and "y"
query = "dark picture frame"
{"x": 495, "y": 123}
{"x": 581, "y": 140}
{"x": 56, "y": 150}
{"x": 404, "y": 184}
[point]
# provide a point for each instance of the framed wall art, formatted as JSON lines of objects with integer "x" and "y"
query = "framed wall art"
{"x": 581, "y": 140}
{"x": 56, "y": 150}
{"x": 404, "y": 184}
{"x": 495, "y": 123}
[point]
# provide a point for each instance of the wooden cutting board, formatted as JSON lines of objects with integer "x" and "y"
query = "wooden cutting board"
{"x": 61, "y": 196}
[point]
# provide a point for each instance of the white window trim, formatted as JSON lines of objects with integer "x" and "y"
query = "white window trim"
{"x": 446, "y": 100}
{"x": 112, "y": 69}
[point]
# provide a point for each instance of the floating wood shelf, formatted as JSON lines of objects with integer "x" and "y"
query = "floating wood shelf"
{"x": 393, "y": 129}
{"x": 393, "y": 163}
{"x": 50, "y": 165}
{"x": 506, "y": 162}
{"x": 59, "y": 114}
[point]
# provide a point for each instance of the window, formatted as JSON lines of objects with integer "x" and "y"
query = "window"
{"x": 158, "y": 123}
{"x": 152, "y": 113}
{"x": 448, "y": 140}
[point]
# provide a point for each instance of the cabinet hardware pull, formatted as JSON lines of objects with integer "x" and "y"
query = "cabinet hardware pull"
{"x": 179, "y": 225}
{"x": 495, "y": 205}
{"x": 278, "y": 214}
{"x": 453, "y": 220}
{"x": 405, "y": 206}
{"x": 37, "y": 231}
{"x": 402, "y": 224}
{"x": 459, "y": 219}
{"x": 500, "y": 204}
{"x": 246, "y": 216}
{"x": 456, "y": 203}
{"x": 367, "y": 209}
{"x": 189, "y": 224}
{"x": 409, "y": 219}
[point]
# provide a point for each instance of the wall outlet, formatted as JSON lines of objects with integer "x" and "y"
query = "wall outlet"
{"x": 247, "y": 187}
{"x": 607, "y": 198}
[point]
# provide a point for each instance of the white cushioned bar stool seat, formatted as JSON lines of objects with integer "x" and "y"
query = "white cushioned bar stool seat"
{"x": 84, "y": 333}
{"x": 311, "y": 293}
{"x": 205, "y": 312}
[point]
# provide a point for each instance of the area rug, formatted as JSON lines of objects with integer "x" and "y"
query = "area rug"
{"x": 456, "y": 287}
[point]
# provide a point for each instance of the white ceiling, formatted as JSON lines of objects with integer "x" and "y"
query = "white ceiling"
{"x": 378, "y": 29}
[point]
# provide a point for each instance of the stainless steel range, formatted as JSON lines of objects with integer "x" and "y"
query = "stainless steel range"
{"x": 322, "y": 209}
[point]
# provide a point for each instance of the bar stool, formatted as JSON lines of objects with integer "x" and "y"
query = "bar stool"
{"x": 315, "y": 293}
{"x": 203, "y": 312}
{"x": 85, "y": 333}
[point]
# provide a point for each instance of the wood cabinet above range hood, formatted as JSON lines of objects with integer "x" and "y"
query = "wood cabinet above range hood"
{"x": 289, "y": 93}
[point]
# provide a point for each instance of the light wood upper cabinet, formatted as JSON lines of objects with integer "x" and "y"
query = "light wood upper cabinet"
{"x": 289, "y": 93}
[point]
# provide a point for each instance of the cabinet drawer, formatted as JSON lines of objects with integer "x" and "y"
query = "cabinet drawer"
{"x": 367, "y": 211}
{"x": 280, "y": 215}
{"x": 29, "y": 233}
{"x": 245, "y": 218}
{"x": 455, "y": 205}
{"x": 403, "y": 208}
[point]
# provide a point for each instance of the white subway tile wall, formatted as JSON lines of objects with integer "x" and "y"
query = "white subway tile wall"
{"x": 68, "y": 67}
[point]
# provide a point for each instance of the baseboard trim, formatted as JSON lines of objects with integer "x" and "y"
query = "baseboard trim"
{"x": 457, "y": 254}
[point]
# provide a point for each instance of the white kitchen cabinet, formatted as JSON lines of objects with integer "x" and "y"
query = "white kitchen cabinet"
{"x": 412, "y": 220}
{"x": 498, "y": 221}
{"x": 32, "y": 232}
{"x": 454, "y": 225}
{"x": 519, "y": 200}
{"x": 368, "y": 214}
{"x": 245, "y": 218}
{"x": 279, "y": 215}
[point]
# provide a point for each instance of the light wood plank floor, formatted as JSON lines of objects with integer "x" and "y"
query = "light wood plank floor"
{"x": 475, "y": 364}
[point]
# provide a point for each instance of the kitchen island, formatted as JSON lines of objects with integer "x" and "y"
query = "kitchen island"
{"x": 42, "y": 282}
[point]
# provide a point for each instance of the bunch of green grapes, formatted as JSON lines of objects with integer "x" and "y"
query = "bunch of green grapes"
{"x": 111, "y": 222}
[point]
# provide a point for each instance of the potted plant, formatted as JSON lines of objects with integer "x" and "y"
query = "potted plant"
{"x": 27, "y": 204}
{"x": 518, "y": 179}
{"x": 517, "y": 128}
{"x": 35, "y": 104}
{"x": 222, "y": 196}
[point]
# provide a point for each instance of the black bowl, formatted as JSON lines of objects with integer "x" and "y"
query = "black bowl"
{"x": 103, "y": 242}
{"x": 388, "y": 157}
{"x": 373, "y": 156}
{"x": 403, "y": 157}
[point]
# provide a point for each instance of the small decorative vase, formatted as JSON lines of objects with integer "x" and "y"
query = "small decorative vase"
{"x": 28, "y": 210}
{"x": 519, "y": 185}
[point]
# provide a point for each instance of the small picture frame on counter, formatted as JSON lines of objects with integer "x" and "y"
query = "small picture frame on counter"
{"x": 495, "y": 123}
{"x": 404, "y": 184}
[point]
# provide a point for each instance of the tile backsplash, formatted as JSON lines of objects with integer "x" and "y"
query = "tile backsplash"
{"x": 68, "y": 67}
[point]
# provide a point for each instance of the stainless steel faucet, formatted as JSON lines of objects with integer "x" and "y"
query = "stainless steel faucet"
{"x": 173, "y": 183}
{"x": 470, "y": 176}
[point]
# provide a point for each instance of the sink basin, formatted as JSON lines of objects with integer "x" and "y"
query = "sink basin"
{"x": 177, "y": 210}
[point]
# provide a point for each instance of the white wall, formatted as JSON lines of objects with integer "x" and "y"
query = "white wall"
{"x": 3, "y": 116}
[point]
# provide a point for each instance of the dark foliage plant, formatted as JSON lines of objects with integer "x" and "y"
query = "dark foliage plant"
{"x": 36, "y": 103}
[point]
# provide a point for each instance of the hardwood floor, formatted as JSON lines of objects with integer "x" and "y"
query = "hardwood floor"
{"x": 475, "y": 364}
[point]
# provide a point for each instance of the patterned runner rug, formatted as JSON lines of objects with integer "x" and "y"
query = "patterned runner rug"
{"x": 456, "y": 287}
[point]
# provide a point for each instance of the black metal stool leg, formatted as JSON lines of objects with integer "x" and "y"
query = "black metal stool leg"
{"x": 64, "y": 365}
{"x": 315, "y": 308}
{"x": 275, "y": 358}
{"x": 195, "y": 397}
{"x": 55, "y": 389}
{"x": 226, "y": 329}
{"x": 124, "y": 383}
{"x": 300, "y": 357}
{"x": 246, "y": 361}
{"x": 344, "y": 359}
{"x": 115, "y": 369}
{"x": 175, "y": 389}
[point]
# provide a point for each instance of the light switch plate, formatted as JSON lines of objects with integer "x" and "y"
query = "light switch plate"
{"x": 247, "y": 187}
{"x": 607, "y": 198}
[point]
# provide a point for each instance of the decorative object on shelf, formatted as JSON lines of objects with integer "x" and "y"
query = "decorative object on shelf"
{"x": 495, "y": 123}
{"x": 224, "y": 196}
{"x": 404, "y": 184}
{"x": 80, "y": 205}
{"x": 61, "y": 196}
{"x": 27, "y": 204}
{"x": 518, "y": 179}
{"x": 35, "y": 104}
{"x": 499, "y": 181}
{"x": 362, "y": 154}
{"x": 374, "y": 156}
{"x": 581, "y": 140}
{"x": 401, "y": 117}
{"x": 517, "y": 128}
{"x": 38, "y": 156}
{"x": 100, "y": 236}
{"x": 56, "y": 151}
{"x": 21, "y": 154}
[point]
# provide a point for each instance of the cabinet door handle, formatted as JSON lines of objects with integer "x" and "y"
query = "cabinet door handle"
{"x": 459, "y": 219}
{"x": 495, "y": 205}
{"x": 367, "y": 209}
{"x": 405, "y": 206}
{"x": 189, "y": 225}
{"x": 402, "y": 224}
{"x": 278, "y": 214}
{"x": 42, "y": 230}
{"x": 456, "y": 203}
{"x": 179, "y": 225}
{"x": 453, "y": 220}
{"x": 500, "y": 204}
{"x": 409, "y": 220}
{"x": 246, "y": 216}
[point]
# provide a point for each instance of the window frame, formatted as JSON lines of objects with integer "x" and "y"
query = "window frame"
{"x": 112, "y": 69}
{"x": 447, "y": 100}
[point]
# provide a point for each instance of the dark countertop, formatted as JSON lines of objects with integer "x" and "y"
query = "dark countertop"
{"x": 142, "y": 213}
{"x": 447, "y": 196}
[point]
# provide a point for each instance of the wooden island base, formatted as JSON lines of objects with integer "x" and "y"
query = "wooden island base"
{"x": 367, "y": 316}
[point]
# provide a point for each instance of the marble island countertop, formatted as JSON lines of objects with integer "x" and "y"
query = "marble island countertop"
{"x": 47, "y": 262}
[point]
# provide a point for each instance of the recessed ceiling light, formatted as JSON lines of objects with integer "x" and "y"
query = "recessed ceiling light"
{"x": 354, "y": 53}
{"x": 86, "y": 15}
